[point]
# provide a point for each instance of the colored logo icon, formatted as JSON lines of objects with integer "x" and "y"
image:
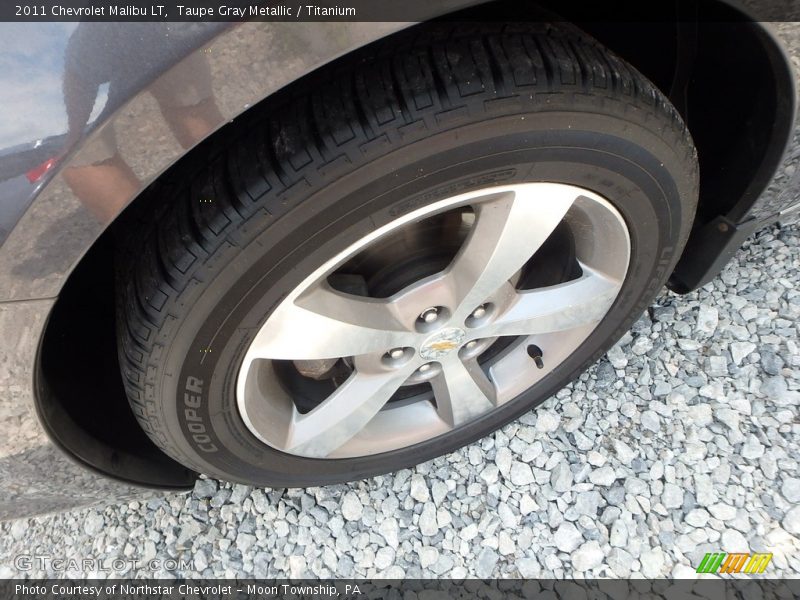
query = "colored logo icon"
{"x": 723, "y": 562}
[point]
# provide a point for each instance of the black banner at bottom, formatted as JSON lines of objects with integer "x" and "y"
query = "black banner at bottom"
{"x": 411, "y": 589}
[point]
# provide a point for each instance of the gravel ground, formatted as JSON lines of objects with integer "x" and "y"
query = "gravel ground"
{"x": 685, "y": 440}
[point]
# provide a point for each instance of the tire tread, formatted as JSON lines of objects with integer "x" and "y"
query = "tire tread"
{"x": 430, "y": 79}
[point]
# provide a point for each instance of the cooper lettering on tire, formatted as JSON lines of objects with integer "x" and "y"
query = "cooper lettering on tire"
{"x": 405, "y": 251}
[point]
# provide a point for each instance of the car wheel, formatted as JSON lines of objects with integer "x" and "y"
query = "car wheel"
{"x": 401, "y": 254}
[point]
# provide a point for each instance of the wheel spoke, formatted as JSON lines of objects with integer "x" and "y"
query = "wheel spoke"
{"x": 326, "y": 323}
{"x": 576, "y": 303}
{"x": 507, "y": 232}
{"x": 462, "y": 391}
{"x": 344, "y": 413}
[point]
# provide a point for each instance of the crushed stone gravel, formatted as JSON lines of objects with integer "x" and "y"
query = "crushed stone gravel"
{"x": 683, "y": 440}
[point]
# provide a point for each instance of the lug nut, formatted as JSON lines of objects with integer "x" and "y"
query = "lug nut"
{"x": 479, "y": 312}
{"x": 396, "y": 354}
{"x": 470, "y": 345}
{"x": 429, "y": 315}
{"x": 425, "y": 368}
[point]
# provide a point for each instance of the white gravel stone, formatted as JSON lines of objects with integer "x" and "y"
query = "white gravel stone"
{"x": 672, "y": 497}
{"x": 521, "y": 474}
{"x": 651, "y": 421}
{"x": 697, "y": 517}
{"x": 723, "y": 512}
{"x": 734, "y": 541}
{"x": 419, "y": 488}
{"x": 18, "y": 529}
{"x": 297, "y": 567}
{"x": 624, "y": 452}
{"x": 527, "y": 505}
{"x": 617, "y": 357}
{"x": 567, "y": 537}
{"x": 603, "y": 476}
{"x": 689, "y": 345}
{"x": 503, "y": 459}
{"x": 383, "y": 558}
{"x": 741, "y": 350}
{"x": 596, "y": 459}
{"x": 547, "y": 421}
{"x": 642, "y": 345}
{"x": 561, "y": 477}
{"x": 791, "y": 489}
{"x": 428, "y": 524}
{"x": 352, "y": 509}
{"x": 662, "y": 388}
{"x": 93, "y": 524}
{"x": 707, "y": 319}
{"x": 439, "y": 491}
{"x": 529, "y": 567}
{"x": 587, "y": 557}
{"x": 684, "y": 572}
{"x": 619, "y": 534}
{"x": 704, "y": 489}
{"x": 390, "y": 530}
{"x": 428, "y": 555}
{"x": 791, "y": 522}
{"x": 752, "y": 448}
{"x": 200, "y": 561}
{"x": 652, "y": 563}
{"x": 700, "y": 415}
{"x": 656, "y": 470}
{"x": 469, "y": 532}
{"x": 245, "y": 541}
{"x": 717, "y": 366}
{"x": 729, "y": 417}
{"x": 487, "y": 561}
{"x": 620, "y": 562}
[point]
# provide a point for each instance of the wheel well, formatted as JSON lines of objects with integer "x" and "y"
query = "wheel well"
{"x": 78, "y": 386}
{"x": 726, "y": 75}
{"x": 740, "y": 118}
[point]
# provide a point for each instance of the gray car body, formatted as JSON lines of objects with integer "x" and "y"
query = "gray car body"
{"x": 45, "y": 229}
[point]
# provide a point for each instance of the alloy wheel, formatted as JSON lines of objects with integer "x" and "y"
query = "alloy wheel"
{"x": 446, "y": 348}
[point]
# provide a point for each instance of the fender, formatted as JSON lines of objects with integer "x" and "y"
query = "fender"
{"x": 43, "y": 220}
{"x": 45, "y": 228}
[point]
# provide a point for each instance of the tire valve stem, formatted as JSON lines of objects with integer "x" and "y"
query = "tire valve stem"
{"x": 536, "y": 354}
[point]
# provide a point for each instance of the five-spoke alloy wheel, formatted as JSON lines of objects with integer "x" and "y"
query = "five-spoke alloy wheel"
{"x": 437, "y": 328}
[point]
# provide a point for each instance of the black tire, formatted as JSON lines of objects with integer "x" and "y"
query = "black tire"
{"x": 429, "y": 114}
